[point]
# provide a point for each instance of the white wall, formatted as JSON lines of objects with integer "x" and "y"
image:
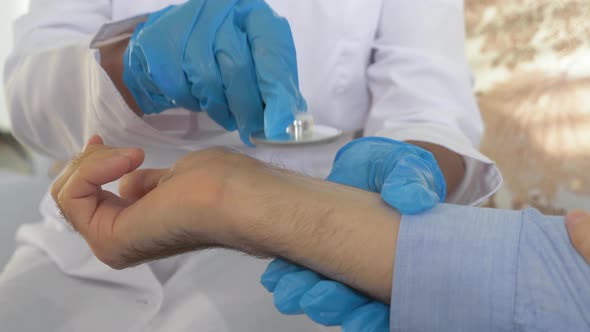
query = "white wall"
{"x": 9, "y": 10}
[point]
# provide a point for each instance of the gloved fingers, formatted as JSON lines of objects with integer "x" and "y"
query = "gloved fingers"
{"x": 413, "y": 198}
{"x": 349, "y": 176}
{"x": 410, "y": 187}
{"x": 138, "y": 80}
{"x": 330, "y": 302}
{"x": 274, "y": 55}
{"x": 357, "y": 163}
{"x": 351, "y": 168}
{"x": 153, "y": 69}
{"x": 290, "y": 289}
{"x": 212, "y": 100}
{"x": 177, "y": 32}
{"x": 275, "y": 270}
{"x": 373, "y": 317}
{"x": 407, "y": 176}
{"x": 440, "y": 185}
{"x": 238, "y": 73}
{"x": 208, "y": 89}
{"x": 134, "y": 73}
{"x": 198, "y": 58}
{"x": 428, "y": 166}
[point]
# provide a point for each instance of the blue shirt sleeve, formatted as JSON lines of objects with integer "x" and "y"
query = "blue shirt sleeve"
{"x": 470, "y": 269}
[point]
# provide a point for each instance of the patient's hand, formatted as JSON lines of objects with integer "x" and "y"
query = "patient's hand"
{"x": 217, "y": 198}
{"x": 186, "y": 212}
{"x": 578, "y": 226}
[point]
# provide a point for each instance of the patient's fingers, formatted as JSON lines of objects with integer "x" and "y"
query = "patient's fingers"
{"x": 94, "y": 140}
{"x": 74, "y": 163}
{"x": 81, "y": 198}
{"x": 135, "y": 185}
{"x": 578, "y": 226}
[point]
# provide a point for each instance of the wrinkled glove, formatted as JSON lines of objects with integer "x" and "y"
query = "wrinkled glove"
{"x": 298, "y": 290}
{"x": 234, "y": 59}
{"x": 407, "y": 176}
{"x": 408, "y": 179}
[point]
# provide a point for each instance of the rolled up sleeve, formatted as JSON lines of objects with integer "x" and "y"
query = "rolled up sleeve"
{"x": 469, "y": 269}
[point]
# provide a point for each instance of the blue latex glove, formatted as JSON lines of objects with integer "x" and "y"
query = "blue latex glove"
{"x": 408, "y": 179}
{"x": 234, "y": 59}
{"x": 407, "y": 176}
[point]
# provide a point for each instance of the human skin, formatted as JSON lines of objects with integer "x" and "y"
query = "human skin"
{"x": 218, "y": 198}
{"x": 451, "y": 164}
{"x": 578, "y": 227}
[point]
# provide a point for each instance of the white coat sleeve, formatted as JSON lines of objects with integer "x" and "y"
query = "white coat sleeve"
{"x": 421, "y": 87}
{"x": 53, "y": 80}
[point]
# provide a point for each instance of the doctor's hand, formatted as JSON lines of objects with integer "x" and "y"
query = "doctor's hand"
{"x": 234, "y": 59}
{"x": 578, "y": 227}
{"x": 409, "y": 179}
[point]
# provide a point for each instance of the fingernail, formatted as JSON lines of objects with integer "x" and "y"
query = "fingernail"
{"x": 576, "y": 216}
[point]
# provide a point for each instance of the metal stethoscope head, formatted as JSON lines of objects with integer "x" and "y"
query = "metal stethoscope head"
{"x": 303, "y": 131}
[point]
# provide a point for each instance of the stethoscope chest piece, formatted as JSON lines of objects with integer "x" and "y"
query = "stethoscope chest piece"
{"x": 303, "y": 131}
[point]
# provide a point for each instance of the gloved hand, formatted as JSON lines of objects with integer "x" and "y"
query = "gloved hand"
{"x": 408, "y": 179}
{"x": 407, "y": 176}
{"x": 298, "y": 290}
{"x": 234, "y": 59}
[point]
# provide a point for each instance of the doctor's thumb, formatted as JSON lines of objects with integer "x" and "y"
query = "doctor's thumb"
{"x": 135, "y": 185}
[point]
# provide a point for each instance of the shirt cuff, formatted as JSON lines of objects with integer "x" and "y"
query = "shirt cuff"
{"x": 482, "y": 178}
{"x": 455, "y": 270}
{"x": 116, "y": 31}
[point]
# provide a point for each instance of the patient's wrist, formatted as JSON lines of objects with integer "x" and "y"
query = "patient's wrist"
{"x": 344, "y": 233}
{"x": 266, "y": 205}
{"x": 355, "y": 243}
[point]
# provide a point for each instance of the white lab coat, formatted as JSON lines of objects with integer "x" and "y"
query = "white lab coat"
{"x": 393, "y": 68}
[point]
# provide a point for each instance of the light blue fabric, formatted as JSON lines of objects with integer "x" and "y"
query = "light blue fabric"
{"x": 409, "y": 179}
{"x": 234, "y": 59}
{"x": 472, "y": 269}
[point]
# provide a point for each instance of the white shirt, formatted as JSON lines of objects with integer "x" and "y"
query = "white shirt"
{"x": 393, "y": 68}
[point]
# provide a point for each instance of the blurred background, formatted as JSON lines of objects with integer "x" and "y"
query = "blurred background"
{"x": 23, "y": 175}
{"x": 531, "y": 65}
{"x": 531, "y": 62}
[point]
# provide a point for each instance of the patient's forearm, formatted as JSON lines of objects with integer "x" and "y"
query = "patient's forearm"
{"x": 346, "y": 234}
{"x": 456, "y": 268}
